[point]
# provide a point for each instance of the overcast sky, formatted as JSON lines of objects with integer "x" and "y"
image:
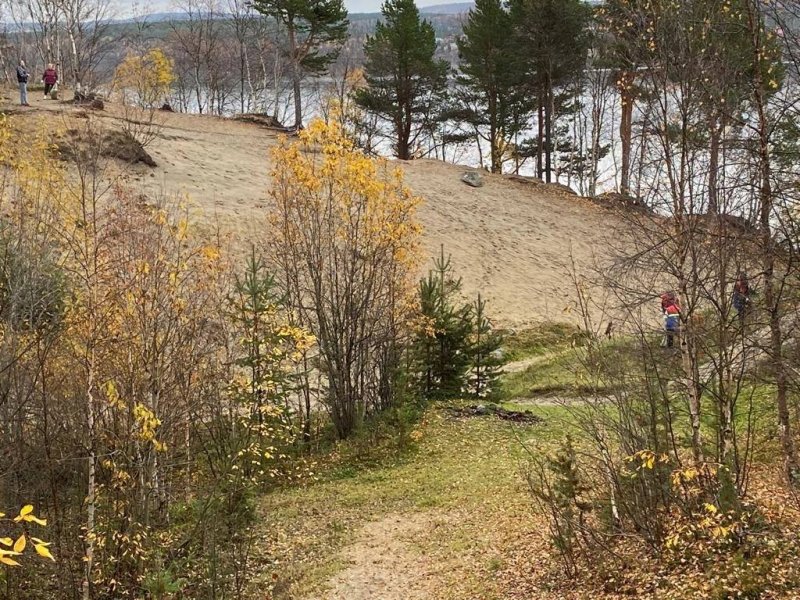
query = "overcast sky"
{"x": 126, "y": 7}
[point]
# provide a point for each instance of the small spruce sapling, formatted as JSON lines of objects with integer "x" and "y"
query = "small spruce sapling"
{"x": 485, "y": 354}
{"x": 442, "y": 345}
{"x": 558, "y": 488}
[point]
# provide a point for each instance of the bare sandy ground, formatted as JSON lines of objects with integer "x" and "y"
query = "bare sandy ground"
{"x": 513, "y": 242}
{"x": 381, "y": 563}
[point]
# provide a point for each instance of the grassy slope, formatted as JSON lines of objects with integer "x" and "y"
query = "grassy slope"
{"x": 465, "y": 473}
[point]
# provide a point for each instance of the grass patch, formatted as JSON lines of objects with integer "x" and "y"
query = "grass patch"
{"x": 464, "y": 466}
{"x": 540, "y": 340}
{"x": 560, "y": 372}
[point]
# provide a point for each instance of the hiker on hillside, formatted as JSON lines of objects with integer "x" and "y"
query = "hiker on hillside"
{"x": 741, "y": 296}
{"x": 672, "y": 318}
{"x": 49, "y": 79}
{"x": 667, "y": 299}
{"x": 22, "y": 79}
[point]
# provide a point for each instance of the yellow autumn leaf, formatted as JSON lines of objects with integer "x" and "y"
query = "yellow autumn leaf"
{"x": 8, "y": 561}
{"x": 20, "y": 544}
{"x": 210, "y": 253}
{"x": 35, "y": 519}
{"x": 710, "y": 508}
{"x": 42, "y": 551}
{"x": 7, "y": 541}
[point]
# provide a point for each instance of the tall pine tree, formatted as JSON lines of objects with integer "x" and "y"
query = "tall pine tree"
{"x": 405, "y": 83}
{"x": 316, "y": 30}
{"x": 551, "y": 42}
{"x": 497, "y": 102}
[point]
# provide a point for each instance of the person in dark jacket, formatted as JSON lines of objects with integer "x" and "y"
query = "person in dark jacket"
{"x": 741, "y": 296}
{"x": 50, "y": 78}
{"x": 22, "y": 79}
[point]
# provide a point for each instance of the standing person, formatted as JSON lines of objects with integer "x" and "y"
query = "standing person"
{"x": 50, "y": 78}
{"x": 672, "y": 324}
{"x": 672, "y": 317}
{"x": 741, "y": 295}
{"x": 667, "y": 299}
{"x": 22, "y": 79}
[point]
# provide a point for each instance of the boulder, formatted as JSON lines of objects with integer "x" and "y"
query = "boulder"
{"x": 97, "y": 104}
{"x": 472, "y": 179}
{"x": 166, "y": 107}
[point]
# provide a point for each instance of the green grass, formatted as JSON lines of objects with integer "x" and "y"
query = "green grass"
{"x": 558, "y": 373}
{"x": 457, "y": 465}
{"x": 559, "y": 362}
{"x": 465, "y": 471}
{"x": 540, "y": 340}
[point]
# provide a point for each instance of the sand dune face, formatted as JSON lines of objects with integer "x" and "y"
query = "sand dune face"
{"x": 513, "y": 242}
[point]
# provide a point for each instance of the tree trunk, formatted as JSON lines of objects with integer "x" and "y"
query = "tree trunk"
{"x": 404, "y": 128}
{"x": 295, "y": 60}
{"x": 548, "y": 131}
{"x": 624, "y": 85}
{"x": 249, "y": 77}
{"x": 540, "y": 138}
{"x": 691, "y": 371}
{"x": 75, "y": 68}
{"x": 91, "y": 491}
{"x": 715, "y": 132}
{"x": 494, "y": 134}
{"x": 771, "y": 290}
{"x": 594, "y": 152}
{"x": 241, "y": 77}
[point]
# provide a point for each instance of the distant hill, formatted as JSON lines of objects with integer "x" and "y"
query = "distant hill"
{"x": 453, "y": 8}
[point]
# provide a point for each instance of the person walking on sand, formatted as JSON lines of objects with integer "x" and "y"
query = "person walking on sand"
{"x": 22, "y": 79}
{"x": 50, "y": 78}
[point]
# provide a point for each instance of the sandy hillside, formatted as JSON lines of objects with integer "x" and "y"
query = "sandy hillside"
{"x": 510, "y": 240}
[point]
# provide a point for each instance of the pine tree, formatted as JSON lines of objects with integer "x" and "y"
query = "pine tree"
{"x": 496, "y": 101}
{"x": 254, "y": 307}
{"x": 405, "y": 83}
{"x": 316, "y": 30}
{"x": 551, "y": 42}
{"x": 622, "y": 50}
{"x": 486, "y": 362}
{"x": 441, "y": 349}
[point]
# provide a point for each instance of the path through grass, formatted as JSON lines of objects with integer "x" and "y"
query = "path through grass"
{"x": 460, "y": 490}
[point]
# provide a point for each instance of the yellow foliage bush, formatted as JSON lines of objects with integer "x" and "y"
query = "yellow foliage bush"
{"x": 147, "y": 78}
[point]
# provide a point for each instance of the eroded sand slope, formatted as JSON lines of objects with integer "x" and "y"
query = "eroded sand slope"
{"x": 512, "y": 241}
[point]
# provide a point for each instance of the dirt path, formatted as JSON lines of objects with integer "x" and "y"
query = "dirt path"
{"x": 382, "y": 564}
{"x": 520, "y": 365}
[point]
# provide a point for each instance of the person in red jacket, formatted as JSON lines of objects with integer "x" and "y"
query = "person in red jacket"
{"x": 50, "y": 78}
{"x": 672, "y": 318}
{"x": 672, "y": 324}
